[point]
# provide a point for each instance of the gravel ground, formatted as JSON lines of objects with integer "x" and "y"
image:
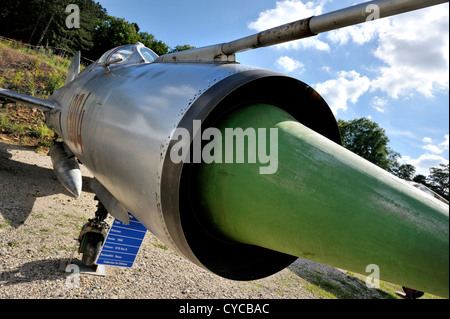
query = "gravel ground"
{"x": 39, "y": 222}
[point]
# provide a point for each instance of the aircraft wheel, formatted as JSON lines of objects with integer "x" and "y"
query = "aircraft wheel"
{"x": 93, "y": 242}
{"x": 412, "y": 293}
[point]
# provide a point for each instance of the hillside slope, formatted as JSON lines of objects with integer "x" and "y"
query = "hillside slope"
{"x": 35, "y": 73}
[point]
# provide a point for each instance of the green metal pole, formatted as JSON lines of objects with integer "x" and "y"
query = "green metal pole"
{"x": 326, "y": 204}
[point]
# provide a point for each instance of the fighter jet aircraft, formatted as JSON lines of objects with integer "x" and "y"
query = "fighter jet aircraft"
{"x": 142, "y": 124}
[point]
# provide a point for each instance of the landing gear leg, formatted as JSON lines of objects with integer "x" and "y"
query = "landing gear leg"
{"x": 93, "y": 235}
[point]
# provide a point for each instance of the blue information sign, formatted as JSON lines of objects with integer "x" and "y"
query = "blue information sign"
{"x": 122, "y": 243}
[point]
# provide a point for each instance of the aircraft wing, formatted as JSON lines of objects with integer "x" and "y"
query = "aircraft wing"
{"x": 44, "y": 105}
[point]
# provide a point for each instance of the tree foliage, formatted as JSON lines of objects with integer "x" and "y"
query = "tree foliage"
{"x": 438, "y": 180}
{"x": 150, "y": 42}
{"x": 179, "y": 48}
{"x": 368, "y": 140}
{"x": 421, "y": 179}
{"x": 112, "y": 32}
{"x": 405, "y": 171}
{"x": 43, "y": 22}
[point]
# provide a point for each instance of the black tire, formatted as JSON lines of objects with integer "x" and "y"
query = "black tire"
{"x": 412, "y": 293}
{"x": 93, "y": 246}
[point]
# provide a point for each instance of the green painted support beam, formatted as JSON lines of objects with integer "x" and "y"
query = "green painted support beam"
{"x": 326, "y": 204}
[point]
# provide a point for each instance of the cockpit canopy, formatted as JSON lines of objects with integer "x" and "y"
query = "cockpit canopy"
{"x": 129, "y": 54}
{"x": 124, "y": 55}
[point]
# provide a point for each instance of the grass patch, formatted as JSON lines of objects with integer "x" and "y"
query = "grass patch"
{"x": 25, "y": 126}
{"x": 32, "y": 72}
{"x": 5, "y": 223}
{"x": 13, "y": 244}
{"x": 160, "y": 245}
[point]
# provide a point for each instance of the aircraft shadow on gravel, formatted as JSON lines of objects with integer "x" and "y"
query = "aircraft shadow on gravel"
{"x": 21, "y": 184}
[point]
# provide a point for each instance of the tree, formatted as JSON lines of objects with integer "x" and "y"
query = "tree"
{"x": 110, "y": 33}
{"x": 91, "y": 14}
{"x": 43, "y": 22}
{"x": 405, "y": 171}
{"x": 368, "y": 140}
{"x": 113, "y": 32}
{"x": 179, "y": 48}
{"x": 12, "y": 21}
{"x": 421, "y": 179}
{"x": 439, "y": 180}
{"x": 150, "y": 42}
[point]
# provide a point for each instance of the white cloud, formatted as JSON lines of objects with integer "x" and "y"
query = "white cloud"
{"x": 445, "y": 143}
{"x": 288, "y": 65}
{"x": 404, "y": 133}
{"x": 415, "y": 49}
{"x": 379, "y": 109}
{"x": 433, "y": 149}
{"x": 285, "y": 12}
{"x": 425, "y": 162}
{"x": 378, "y": 103}
{"x": 359, "y": 34}
{"x": 432, "y": 158}
{"x": 436, "y": 148}
{"x": 348, "y": 87}
{"x": 289, "y": 11}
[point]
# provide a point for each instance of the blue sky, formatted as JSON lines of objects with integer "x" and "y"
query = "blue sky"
{"x": 394, "y": 71}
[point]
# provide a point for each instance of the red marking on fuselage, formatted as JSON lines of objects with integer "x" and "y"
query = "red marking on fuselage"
{"x": 75, "y": 118}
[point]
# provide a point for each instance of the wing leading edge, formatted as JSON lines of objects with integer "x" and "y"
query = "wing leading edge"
{"x": 44, "y": 105}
